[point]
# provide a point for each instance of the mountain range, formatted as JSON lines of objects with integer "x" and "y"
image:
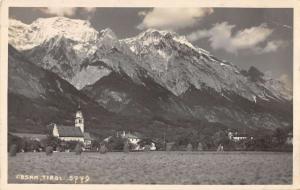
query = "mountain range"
{"x": 156, "y": 75}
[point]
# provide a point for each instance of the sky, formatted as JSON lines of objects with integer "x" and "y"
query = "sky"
{"x": 246, "y": 37}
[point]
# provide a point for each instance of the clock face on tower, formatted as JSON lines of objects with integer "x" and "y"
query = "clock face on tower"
{"x": 78, "y": 114}
{"x": 79, "y": 121}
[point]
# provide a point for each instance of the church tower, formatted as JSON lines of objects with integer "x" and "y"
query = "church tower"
{"x": 79, "y": 121}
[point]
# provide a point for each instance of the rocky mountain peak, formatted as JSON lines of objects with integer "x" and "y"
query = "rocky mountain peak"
{"x": 156, "y": 33}
{"x": 123, "y": 74}
{"x": 169, "y": 58}
{"x": 26, "y": 36}
{"x": 108, "y": 33}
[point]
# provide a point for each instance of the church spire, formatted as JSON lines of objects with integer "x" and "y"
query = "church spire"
{"x": 79, "y": 120}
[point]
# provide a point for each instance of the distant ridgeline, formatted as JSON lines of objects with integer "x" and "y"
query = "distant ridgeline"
{"x": 156, "y": 83}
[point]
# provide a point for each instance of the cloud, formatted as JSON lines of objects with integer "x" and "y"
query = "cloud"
{"x": 250, "y": 37}
{"x": 272, "y": 46}
{"x": 172, "y": 18}
{"x": 59, "y": 11}
{"x": 66, "y": 11}
{"x": 221, "y": 36}
{"x": 197, "y": 35}
{"x": 284, "y": 78}
{"x": 282, "y": 25}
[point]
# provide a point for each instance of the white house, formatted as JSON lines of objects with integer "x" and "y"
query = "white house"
{"x": 135, "y": 139}
{"x": 152, "y": 146}
{"x": 73, "y": 133}
{"x": 130, "y": 137}
{"x": 234, "y": 136}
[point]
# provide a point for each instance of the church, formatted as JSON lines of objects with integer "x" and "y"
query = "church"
{"x": 73, "y": 133}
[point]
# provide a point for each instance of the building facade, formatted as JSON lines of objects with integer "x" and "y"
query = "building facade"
{"x": 73, "y": 133}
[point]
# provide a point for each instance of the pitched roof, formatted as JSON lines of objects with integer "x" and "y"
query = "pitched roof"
{"x": 69, "y": 131}
{"x": 138, "y": 135}
{"x": 129, "y": 135}
{"x": 241, "y": 135}
{"x": 107, "y": 138}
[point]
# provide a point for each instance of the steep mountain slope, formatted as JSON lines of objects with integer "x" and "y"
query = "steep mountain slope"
{"x": 57, "y": 44}
{"x": 212, "y": 88}
{"x": 37, "y": 97}
{"x": 112, "y": 60}
{"x": 179, "y": 65}
{"x": 117, "y": 92}
{"x": 128, "y": 76}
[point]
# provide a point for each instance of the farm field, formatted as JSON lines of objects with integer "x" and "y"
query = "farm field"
{"x": 154, "y": 167}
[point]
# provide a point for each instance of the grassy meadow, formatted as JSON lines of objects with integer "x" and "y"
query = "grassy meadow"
{"x": 153, "y": 168}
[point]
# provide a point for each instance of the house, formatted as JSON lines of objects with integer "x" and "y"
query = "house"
{"x": 87, "y": 139}
{"x": 235, "y": 136}
{"x": 152, "y": 146}
{"x": 73, "y": 133}
{"x": 134, "y": 139}
{"x": 131, "y": 138}
{"x": 289, "y": 139}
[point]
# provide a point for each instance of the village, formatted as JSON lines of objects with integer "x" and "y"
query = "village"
{"x": 64, "y": 138}
{"x": 115, "y": 93}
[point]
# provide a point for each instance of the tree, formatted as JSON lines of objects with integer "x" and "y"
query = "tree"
{"x": 103, "y": 149}
{"x": 169, "y": 146}
{"x": 208, "y": 143}
{"x": 116, "y": 143}
{"x": 78, "y": 148}
{"x": 263, "y": 143}
{"x": 147, "y": 148}
{"x": 145, "y": 141}
{"x": 200, "y": 146}
{"x": 219, "y": 137}
{"x": 189, "y": 147}
{"x": 51, "y": 141}
{"x": 126, "y": 147}
{"x": 160, "y": 145}
{"x": 181, "y": 142}
{"x": 33, "y": 145}
{"x": 14, "y": 140}
{"x": 132, "y": 146}
{"x": 95, "y": 145}
{"x": 194, "y": 139}
{"x": 280, "y": 136}
{"x": 69, "y": 145}
{"x": 13, "y": 150}
{"x": 49, "y": 150}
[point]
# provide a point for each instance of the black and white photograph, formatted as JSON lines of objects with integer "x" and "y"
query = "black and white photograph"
{"x": 150, "y": 95}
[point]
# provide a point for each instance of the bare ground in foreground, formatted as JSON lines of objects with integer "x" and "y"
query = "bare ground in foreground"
{"x": 154, "y": 167}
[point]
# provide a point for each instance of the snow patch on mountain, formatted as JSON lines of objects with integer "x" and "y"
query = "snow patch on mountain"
{"x": 62, "y": 45}
{"x": 27, "y": 36}
{"x": 177, "y": 64}
{"x": 166, "y": 57}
